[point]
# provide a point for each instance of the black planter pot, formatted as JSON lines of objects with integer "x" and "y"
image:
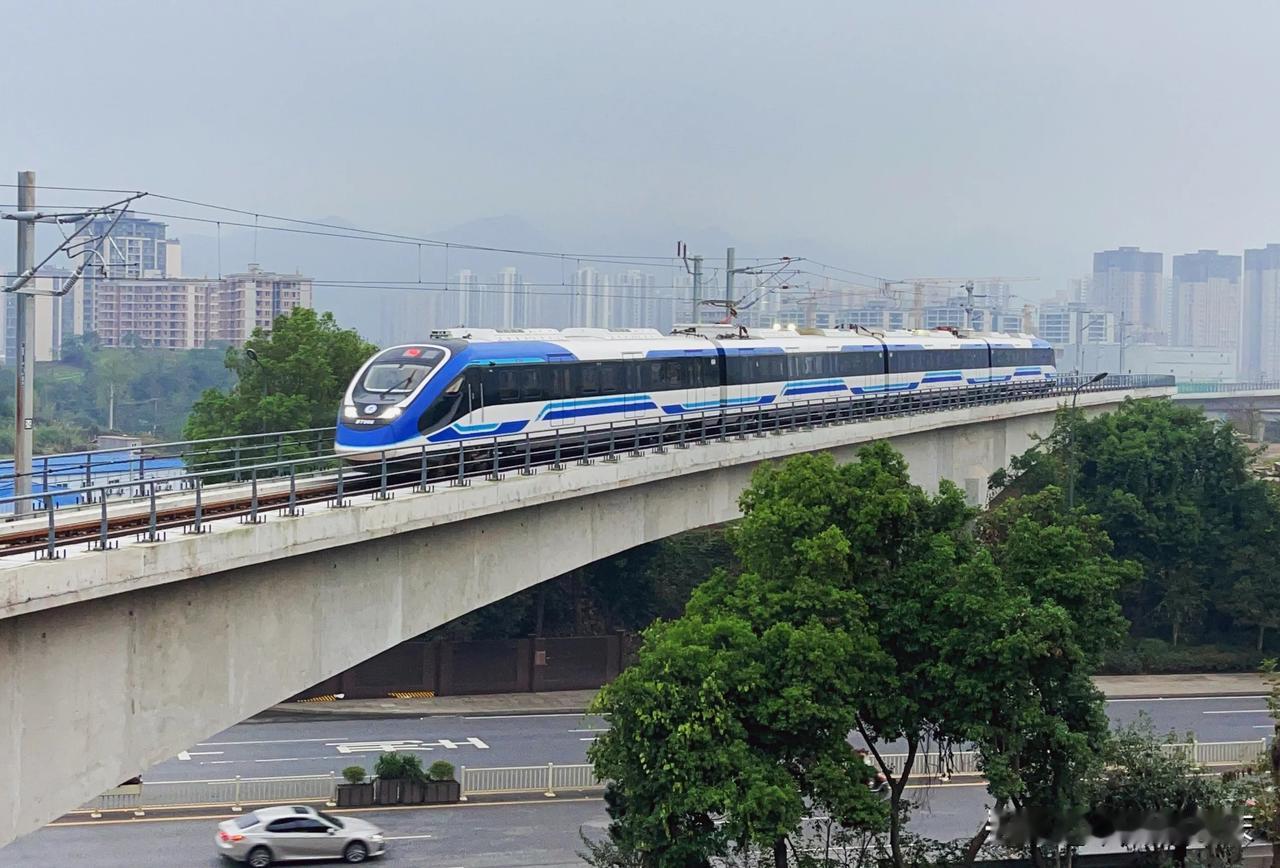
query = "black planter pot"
{"x": 355, "y": 795}
{"x": 442, "y": 792}
{"x": 388, "y": 791}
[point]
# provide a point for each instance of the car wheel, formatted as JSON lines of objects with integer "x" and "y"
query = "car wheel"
{"x": 355, "y": 852}
{"x": 259, "y": 857}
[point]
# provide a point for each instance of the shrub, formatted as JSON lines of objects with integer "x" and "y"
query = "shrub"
{"x": 1157, "y": 657}
{"x": 354, "y": 774}
{"x": 400, "y": 766}
{"x": 440, "y": 771}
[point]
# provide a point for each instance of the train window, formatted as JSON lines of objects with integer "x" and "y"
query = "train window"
{"x": 861, "y": 363}
{"x": 1044, "y": 356}
{"x": 534, "y": 380}
{"x": 612, "y": 378}
{"x": 589, "y": 379}
{"x": 508, "y": 386}
{"x": 561, "y": 379}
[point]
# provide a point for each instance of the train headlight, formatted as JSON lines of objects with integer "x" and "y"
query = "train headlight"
{"x": 350, "y": 412}
{"x": 389, "y": 413}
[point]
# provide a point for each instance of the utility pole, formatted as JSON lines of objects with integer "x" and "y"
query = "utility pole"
{"x": 697, "y": 290}
{"x": 728, "y": 277}
{"x": 24, "y": 305}
{"x": 25, "y": 355}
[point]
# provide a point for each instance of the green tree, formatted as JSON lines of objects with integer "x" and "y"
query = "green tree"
{"x": 1042, "y": 743}
{"x": 303, "y": 367}
{"x": 1170, "y": 487}
{"x": 1145, "y": 785}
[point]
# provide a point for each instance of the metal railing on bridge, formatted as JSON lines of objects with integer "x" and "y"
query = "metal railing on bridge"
{"x": 250, "y": 487}
{"x": 548, "y": 780}
{"x": 1210, "y": 388}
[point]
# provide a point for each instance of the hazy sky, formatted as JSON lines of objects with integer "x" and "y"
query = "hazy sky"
{"x": 953, "y": 138}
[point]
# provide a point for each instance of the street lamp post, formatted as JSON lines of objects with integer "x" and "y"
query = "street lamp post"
{"x": 1071, "y": 440}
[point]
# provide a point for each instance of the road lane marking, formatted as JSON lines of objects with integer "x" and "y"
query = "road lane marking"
{"x": 524, "y": 716}
{"x": 188, "y": 754}
{"x": 589, "y": 730}
{"x": 588, "y": 738}
{"x": 1238, "y": 711}
{"x": 183, "y": 755}
{"x": 266, "y": 741}
{"x": 404, "y": 837}
{"x": 405, "y": 744}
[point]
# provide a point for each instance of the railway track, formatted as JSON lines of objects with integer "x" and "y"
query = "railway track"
{"x": 297, "y": 483}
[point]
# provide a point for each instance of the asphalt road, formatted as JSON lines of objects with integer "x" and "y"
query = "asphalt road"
{"x": 544, "y": 834}
{"x": 289, "y": 746}
{"x": 303, "y": 746}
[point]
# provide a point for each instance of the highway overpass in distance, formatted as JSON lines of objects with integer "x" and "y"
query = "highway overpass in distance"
{"x": 116, "y": 658}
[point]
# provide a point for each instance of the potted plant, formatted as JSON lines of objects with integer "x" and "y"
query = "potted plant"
{"x": 441, "y": 788}
{"x": 355, "y": 793}
{"x": 400, "y": 779}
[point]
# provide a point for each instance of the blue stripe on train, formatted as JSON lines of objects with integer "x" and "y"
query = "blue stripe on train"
{"x": 676, "y": 409}
{"x": 894, "y": 387}
{"x": 598, "y": 410}
{"x": 463, "y": 432}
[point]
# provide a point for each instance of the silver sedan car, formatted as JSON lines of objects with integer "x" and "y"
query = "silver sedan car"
{"x": 294, "y": 832}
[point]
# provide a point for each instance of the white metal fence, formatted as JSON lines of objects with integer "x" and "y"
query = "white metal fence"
{"x": 548, "y": 779}
{"x": 1203, "y": 753}
{"x": 227, "y": 791}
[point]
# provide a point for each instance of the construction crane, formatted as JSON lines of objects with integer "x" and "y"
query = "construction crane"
{"x": 966, "y": 284}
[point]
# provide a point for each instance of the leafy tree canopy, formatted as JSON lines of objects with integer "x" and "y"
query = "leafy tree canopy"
{"x": 1173, "y": 492}
{"x": 303, "y": 367}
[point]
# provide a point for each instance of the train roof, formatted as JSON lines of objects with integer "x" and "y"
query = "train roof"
{"x": 598, "y": 343}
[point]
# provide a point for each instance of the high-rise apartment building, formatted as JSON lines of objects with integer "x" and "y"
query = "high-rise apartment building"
{"x": 466, "y": 306}
{"x": 172, "y": 314}
{"x": 253, "y": 300}
{"x": 509, "y": 301}
{"x": 48, "y": 315}
{"x": 638, "y": 304}
{"x": 1130, "y": 283}
{"x": 1204, "y": 303}
{"x": 592, "y": 298}
{"x": 136, "y": 248}
{"x": 189, "y": 313}
{"x": 1260, "y": 320}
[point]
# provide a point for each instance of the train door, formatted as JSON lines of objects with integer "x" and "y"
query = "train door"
{"x": 629, "y": 372}
{"x": 740, "y": 389}
{"x": 561, "y": 406}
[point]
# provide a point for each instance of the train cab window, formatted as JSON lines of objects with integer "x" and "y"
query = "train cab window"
{"x": 398, "y": 372}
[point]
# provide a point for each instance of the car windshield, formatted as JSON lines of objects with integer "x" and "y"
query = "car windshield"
{"x": 330, "y": 818}
{"x": 399, "y": 372}
{"x": 249, "y": 819}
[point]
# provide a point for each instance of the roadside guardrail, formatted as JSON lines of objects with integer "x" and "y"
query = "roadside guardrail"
{"x": 548, "y": 780}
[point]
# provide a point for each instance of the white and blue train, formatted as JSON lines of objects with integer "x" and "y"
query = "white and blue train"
{"x": 481, "y": 384}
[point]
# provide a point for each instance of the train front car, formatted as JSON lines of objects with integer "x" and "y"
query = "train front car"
{"x": 433, "y": 394}
{"x": 385, "y": 401}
